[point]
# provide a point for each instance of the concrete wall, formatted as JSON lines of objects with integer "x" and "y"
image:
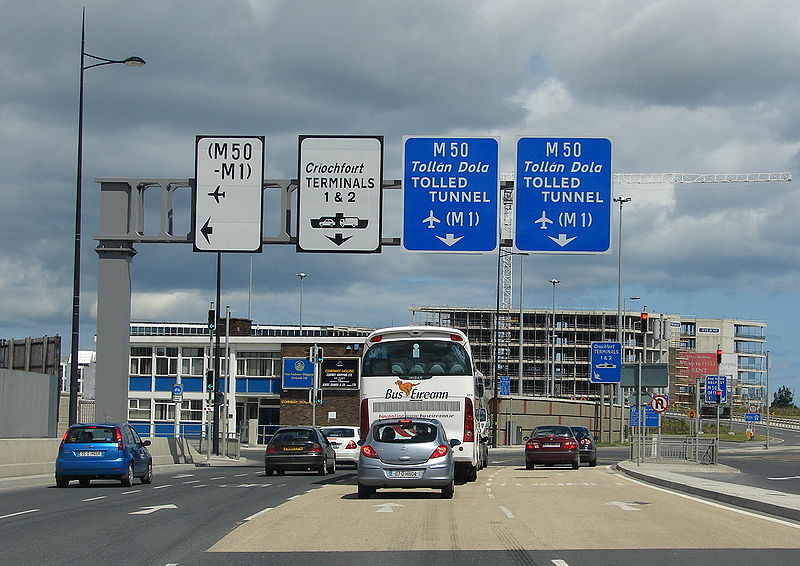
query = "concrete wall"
{"x": 28, "y": 404}
{"x": 34, "y": 456}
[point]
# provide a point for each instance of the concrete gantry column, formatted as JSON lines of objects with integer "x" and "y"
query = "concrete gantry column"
{"x": 113, "y": 304}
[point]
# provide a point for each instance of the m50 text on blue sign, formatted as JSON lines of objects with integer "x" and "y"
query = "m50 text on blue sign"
{"x": 450, "y": 194}
{"x": 563, "y": 195}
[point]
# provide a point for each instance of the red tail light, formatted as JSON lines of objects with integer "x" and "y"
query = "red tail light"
{"x": 456, "y": 338}
{"x": 531, "y": 445}
{"x": 570, "y": 445}
{"x": 64, "y": 439}
{"x": 315, "y": 448}
{"x": 364, "y": 418}
{"x": 369, "y": 451}
{"x": 586, "y": 441}
{"x": 350, "y": 445}
{"x": 118, "y": 435}
{"x": 375, "y": 339}
{"x": 469, "y": 421}
{"x": 440, "y": 451}
{"x": 271, "y": 448}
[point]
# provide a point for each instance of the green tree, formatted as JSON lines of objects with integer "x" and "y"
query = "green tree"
{"x": 783, "y": 398}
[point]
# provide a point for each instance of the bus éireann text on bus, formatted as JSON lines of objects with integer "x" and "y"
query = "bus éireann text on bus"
{"x": 427, "y": 371}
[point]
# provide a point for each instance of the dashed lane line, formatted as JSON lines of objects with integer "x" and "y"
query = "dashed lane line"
{"x": 95, "y": 498}
{"x": 18, "y": 513}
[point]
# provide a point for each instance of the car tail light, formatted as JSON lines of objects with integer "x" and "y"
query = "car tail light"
{"x": 118, "y": 435}
{"x": 315, "y": 447}
{"x": 570, "y": 445}
{"x": 456, "y": 338}
{"x": 469, "y": 421}
{"x": 586, "y": 441}
{"x": 364, "y": 418}
{"x": 531, "y": 445}
{"x": 64, "y": 439}
{"x": 271, "y": 448}
{"x": 369, "y": 451}
{"x": 350, "y": 445}
{"x": 440, "y": 451}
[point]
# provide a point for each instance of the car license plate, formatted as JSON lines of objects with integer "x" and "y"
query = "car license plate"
{"x": 403, "y": 473}
{"x": 90, "y": 453}
{"x": 292, "y": 448}
{"x": 551, "y": 445}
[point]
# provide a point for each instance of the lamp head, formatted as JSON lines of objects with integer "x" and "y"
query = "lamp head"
{"x": 134, "y": 61}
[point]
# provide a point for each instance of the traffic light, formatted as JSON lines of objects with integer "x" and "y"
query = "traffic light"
{"x": 319, "y": 355}
{"x": 719, "y": 356}
{"x": 210, "y": 380}
{"x": 212, "y": 319}
{"x": 719, "y": 396}
{"x": 644, "y": 319}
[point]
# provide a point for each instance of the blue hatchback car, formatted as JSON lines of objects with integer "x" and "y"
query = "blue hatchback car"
{"x": 103, "y": 451}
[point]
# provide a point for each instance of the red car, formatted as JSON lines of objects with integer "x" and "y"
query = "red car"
{"x": 551, "y": 444}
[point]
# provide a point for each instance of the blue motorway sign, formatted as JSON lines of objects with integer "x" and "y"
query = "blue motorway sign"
{"x": 450, "y": 194}
{"x": 716, "y": 383}
{"x": 606, "y": 360}
{"x": 298, "y": 373}
{"x": 505, "y": 385}
{"x": 563, "y": 200}
{"x": 752, "y": 417}
{"x": 650, "y": 416}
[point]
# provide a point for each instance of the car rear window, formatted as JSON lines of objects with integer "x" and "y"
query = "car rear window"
{"x": 339, "y": 432}
{"x": 405, "y": 433}
{"x": 84, "y": 434}
{"x": 581, "y": 432}
{"x": 552, "y": 430}
{"x": 294, "y": 436}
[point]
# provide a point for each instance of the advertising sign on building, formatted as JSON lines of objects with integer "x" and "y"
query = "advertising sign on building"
{"x": 699, "y": 365}
{"x": 339, "y": 373}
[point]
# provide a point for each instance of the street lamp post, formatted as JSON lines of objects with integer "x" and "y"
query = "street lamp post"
{"x": 621, "y": 201}
{"x": 76, "y": 265}
{"x": 552, "y": 381}
{"x": 302, "y": 276}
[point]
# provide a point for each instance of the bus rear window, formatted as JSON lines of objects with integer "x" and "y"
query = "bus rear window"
{"x": 416, "y": 357}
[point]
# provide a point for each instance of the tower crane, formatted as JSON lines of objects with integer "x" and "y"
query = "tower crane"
{"x": 507, "y": 201}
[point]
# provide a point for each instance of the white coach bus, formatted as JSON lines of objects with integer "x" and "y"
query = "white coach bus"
{"x": 427, "y": 371}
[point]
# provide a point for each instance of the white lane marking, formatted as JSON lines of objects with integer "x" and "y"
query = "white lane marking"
{"x": 191, "y": 481}
{"x": 129, "y": 492}
{"x": 623, "y": 506}
{"x": 182, "y": 476}
{"x": 387, "y": 507}
{"x": 239, "y": 475}
{"x": 558, "y": 562}
{"x": 152, "y": 509}
{"x": 253, "y": 516}
{"x": 218, "y": 478}
{"x": 162, "y": 486}
{"x": 786, "y": 478}
{"x": 713, "y": 504}
{"x": 508, "y": 513}
{"x": 201, "y": 485}
{"x": 18, "y": 513}
{"x": 292, "y": 497}
{"x": 95, "y": 498}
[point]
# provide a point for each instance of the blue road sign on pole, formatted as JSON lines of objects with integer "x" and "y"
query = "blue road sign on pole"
{"x": 651, "y": 417}
{"x": 450, "y": 194}
{"x": 606, "y": 362}
{"x": 298, "y": 373}
{"x": 752, "y": 417}
{"x": 716, "y": 383}
{"x": 505, "y": 385}
{"x": 563, "y": 200}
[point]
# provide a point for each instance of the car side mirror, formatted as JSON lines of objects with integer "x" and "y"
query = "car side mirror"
{"x": 146, "y": 443}
{"x": 360, "y": 442}
{"x": 454, "y": 442}
{"x": 525, "y": 438}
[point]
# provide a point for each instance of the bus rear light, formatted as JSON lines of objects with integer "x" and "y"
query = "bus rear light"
{"x": 375, "y": 339}
{"x": 456, "y": 338}
{"x": 440, "y": 451}
{"x": 469, "y": 421}
{"x": 369, "y": 451}
{"x": 364, "y": 418}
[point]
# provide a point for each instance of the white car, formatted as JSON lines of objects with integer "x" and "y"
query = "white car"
{"x": 344, "y": 440}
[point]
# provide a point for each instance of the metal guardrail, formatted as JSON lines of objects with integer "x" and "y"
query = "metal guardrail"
{"x": 675, "y": 449}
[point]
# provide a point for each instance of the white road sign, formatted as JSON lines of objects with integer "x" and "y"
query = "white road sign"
{"x": 339, "y": 195}
{"x": 659, "y": 403}
{"x": 229, "y": 174}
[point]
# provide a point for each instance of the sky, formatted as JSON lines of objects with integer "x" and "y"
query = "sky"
{"x": 677, "y": 86}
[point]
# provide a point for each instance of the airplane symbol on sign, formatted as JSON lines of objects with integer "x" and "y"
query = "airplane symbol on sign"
{"x": 543, "y": 221}
{"x": 431, "y": 220}
{"x": 217, "y": 194}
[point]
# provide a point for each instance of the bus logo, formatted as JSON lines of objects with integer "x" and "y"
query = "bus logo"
{"x": 405, "y": 386}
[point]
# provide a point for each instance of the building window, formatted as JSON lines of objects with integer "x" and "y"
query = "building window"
{"x": 166, "y": 360}
{"x": 258, "y": 364}
{"x": 192, "y": 361}
{"x": 192, "y": 410}
{"x": 141, "y": 360}
{"x": 744, "y": 331}
{"x": 139, "y": 409}
{"x": 742, "y": 347}
{"x": 164, "y": 410}
{"x": 688, "y": 329}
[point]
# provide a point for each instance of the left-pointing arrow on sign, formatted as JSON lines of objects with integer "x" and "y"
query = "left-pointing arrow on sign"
{"x": 206, "y": 230}
{"x": 153, "y": 509}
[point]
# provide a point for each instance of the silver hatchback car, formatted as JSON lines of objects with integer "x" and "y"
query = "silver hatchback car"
{"x": 406, "y": 453}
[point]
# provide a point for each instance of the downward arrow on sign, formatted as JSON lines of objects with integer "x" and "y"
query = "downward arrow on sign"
{"x": 450, "y": 239}
{"x": 562, "y": 239}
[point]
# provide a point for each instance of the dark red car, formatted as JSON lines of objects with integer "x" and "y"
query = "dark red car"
{"x": 551, "y": 444}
